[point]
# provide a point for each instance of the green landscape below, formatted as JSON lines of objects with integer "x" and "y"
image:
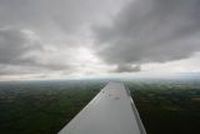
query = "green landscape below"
{"x": 166, "y": 106}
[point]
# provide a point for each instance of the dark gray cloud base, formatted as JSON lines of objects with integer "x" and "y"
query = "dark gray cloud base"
{"x": 127, "y": 68}
{"x": 14, "y": 45}
{"x": 147, "y": 31}
{"x": 15, "y": 49}
{"x": 35, "y": 35}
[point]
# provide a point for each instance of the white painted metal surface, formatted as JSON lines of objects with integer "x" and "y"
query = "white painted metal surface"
{"x": 112, "y": 111}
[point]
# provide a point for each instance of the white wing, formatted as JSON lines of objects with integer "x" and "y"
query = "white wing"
{"x": 112, "y": 111}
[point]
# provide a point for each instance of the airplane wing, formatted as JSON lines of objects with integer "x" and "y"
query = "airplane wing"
{"x": 112, "y": 111}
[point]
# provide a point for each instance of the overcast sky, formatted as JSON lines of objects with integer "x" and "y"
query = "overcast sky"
{"x": 80, "y": 38}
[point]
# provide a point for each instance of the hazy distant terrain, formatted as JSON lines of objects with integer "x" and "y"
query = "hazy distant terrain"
{"x": 44, "y": 107}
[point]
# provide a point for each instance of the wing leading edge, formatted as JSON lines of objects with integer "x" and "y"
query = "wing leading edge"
{"x": 112, "y": 111}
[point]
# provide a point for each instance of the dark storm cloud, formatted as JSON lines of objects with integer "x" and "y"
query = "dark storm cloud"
{"x": 127, "y": 68}
{"x": 151, "y": 31}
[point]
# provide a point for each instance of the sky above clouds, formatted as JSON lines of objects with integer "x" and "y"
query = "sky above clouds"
{"x": 75, "y": 38}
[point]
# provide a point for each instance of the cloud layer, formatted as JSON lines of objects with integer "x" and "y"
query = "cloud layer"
{"x": 148, "y": 31}
{"x": 15, "y": 45}
{"x": 127, "y": 68}
{"x": 76, "y": 37}
{"x": 44, "y": 36}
